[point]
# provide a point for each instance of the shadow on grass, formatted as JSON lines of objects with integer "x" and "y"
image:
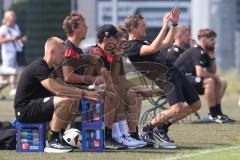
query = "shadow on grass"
{"x": 202, "y": 122}
{"x": 156, "y": 150}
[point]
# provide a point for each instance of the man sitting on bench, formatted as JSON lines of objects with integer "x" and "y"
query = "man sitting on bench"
{"x": 41, "y": 97}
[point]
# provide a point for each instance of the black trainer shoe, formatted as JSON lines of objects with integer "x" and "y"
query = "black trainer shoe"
{"x": 162, "y": 139}
{"x": 112, "y": 144}
{"x": 148, "y": 137}
{"x": 230, "y": 120}
{"x": 56, "y": 146}
{"x": 219, "y": 119}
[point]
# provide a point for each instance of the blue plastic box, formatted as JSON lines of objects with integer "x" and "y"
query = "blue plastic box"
{"x": 30, "y": 137}
{"x": 92, "y": 126}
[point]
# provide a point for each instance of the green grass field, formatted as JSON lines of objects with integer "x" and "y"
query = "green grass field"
{"x": 195, "y": 140}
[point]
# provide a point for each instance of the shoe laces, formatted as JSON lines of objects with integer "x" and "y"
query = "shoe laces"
{"x": 126, "y": 138}
{"x": 164, "y": 133}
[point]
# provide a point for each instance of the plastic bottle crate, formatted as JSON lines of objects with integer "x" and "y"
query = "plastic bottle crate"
{"x": 93, "y": 139}
{"x": 92, "y": 111}
{"x": 92, "y": 126}
{"x": 30, "y": 137}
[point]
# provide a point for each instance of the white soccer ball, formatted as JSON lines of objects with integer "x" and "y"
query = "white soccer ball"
{"x": 73, "y": 137}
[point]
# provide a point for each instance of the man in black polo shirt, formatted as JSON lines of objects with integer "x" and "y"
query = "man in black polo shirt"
{"x": 42, "y": 97}
{"x": 199, "y": 65}
{"x": 181, "y": 43}
{"x": 139, "y": 50}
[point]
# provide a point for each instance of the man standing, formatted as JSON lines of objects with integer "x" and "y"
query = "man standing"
{"x": 11, "y": 42}
{"x": 139, "y": 50}
{"x": 41, "y": 97}
{"x": 199, "y": 65}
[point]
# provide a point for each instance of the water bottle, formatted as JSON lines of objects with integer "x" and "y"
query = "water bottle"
{"x": 206, "y": 119}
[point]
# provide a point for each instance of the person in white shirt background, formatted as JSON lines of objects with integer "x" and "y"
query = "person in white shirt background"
{"x": 11, "y": 42}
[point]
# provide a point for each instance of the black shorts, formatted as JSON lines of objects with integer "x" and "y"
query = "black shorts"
{"x": 183, "y": 90}
{"x": 197, "y": 82}
{"x": 36, "y": 111}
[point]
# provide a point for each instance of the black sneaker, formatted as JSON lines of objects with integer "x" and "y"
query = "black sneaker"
{"x": 230, "y": 120}
{"x": 220, "y": 119}
{"x": 148, "y": 137}
{"x": 162, "y": 139}
{"x": 112, "y": 144}
{"x": 56, "y": 146}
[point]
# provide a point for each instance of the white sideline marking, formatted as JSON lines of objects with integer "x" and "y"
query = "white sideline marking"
{"x": 199, "y": 153}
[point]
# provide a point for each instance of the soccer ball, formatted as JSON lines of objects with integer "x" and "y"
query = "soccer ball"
{"x": 73, "y": 137}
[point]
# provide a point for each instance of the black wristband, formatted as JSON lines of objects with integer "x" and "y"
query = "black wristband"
{"x": 174, "y": 25}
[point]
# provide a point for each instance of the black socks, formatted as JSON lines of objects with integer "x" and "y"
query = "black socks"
{"x": 218, "y": 106}
{"x": 215, "y": 110}
{"x": 135, "y": 134}
{"x": 164, "y": 126}
{"x": 108, "y": 133}
{"x": 148, "y": 127}
{"x": 54, "y": 135}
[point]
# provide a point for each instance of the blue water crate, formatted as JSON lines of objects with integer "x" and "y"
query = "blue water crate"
{"x": 92, "y": 111}
{"x": 92, "y": 126}
{"x": 93, "y": 138}
{"x": 30, "y": 137}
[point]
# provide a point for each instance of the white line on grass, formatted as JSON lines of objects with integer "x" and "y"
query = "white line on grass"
{"x": 203, "y": 152}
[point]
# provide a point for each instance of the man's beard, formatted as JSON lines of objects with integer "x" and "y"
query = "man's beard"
{"x": 210, "y": 48}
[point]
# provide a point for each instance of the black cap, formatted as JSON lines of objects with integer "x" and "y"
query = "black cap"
{"x": 107, "y": 30}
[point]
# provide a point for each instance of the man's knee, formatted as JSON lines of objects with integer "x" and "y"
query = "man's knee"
{"x": 223, "y": 83}
{"x": 210, "y": 84}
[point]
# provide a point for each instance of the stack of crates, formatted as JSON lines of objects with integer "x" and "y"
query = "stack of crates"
{"x": 92, "y": 126}
{"x": 30, "y": 137}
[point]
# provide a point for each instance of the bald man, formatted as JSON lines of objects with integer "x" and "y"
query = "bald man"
{"x": 41, "y": 96}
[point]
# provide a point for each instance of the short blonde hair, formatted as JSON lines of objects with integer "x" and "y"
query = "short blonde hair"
{"x": 132, "y": 21}
{"x": 7, "y": 14}
{"x": 206, "y": 33}
{"x": 181, "y": 30}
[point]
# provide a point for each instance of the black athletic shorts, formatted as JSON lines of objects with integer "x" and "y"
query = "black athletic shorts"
{"x": 36, "y": 111}
{"x": 183, "y": 90}
{"x": 197, "y": 82}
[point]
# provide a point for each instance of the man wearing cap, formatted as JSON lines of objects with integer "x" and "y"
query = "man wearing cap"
{"x": 139, "y": 50}
{"x": 107, "y": 49}
{"x": 199, "y": 65}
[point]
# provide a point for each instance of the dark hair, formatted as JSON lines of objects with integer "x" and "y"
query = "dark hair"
{"x": 132, "y": 21}
{"x": 207, "y": 33}
{"x": 71, "y": 22}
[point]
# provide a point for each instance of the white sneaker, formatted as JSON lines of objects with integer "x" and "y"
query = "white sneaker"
{"x": 140, "y": 142}
{"x": 127, "y": 142}
{"x": 165, "y": 144}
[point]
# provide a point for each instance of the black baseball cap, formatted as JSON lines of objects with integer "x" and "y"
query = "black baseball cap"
{"x": 107, "y": 30}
